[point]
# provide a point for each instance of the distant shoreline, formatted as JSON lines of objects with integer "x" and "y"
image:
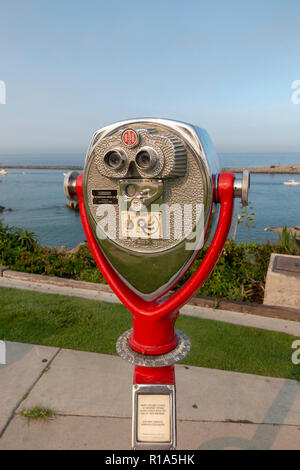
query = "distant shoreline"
{"x": 41, "y": 167}
{"x": 278, "y": 169}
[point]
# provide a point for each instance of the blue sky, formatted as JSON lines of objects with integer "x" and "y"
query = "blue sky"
{"x": 71, "y": 67}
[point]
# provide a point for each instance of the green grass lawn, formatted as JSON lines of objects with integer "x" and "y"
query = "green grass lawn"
{"x": 88, "y": 325}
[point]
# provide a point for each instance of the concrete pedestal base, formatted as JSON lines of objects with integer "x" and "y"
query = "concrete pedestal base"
{"x": 283, "y": 281}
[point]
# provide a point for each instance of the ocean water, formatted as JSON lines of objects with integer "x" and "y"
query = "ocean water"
{"x": 38, "y": 202}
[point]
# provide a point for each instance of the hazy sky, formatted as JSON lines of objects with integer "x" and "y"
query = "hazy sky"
{"x": 73, "y": 66}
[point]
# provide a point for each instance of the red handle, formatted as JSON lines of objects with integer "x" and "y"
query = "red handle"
{"x": 155, "y": 319}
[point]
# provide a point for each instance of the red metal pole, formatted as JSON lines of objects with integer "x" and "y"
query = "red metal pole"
{"x": 153, "y": 321}
{"x": 153, "y": 333}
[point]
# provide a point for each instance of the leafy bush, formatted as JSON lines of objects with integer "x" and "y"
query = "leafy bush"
{"x": 239, "y": 274}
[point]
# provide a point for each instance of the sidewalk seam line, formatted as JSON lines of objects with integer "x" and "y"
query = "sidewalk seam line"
{"x": 66, "y": 415}
{"x": 12, "y": 415}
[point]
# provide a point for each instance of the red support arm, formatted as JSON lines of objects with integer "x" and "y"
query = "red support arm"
{"x": 153, "y": 321}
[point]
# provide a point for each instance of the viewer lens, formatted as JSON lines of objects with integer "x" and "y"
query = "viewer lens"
{"x": 143, "y": 160}
{"x": 146, "y": 159}
{"x": 114, "y": 160}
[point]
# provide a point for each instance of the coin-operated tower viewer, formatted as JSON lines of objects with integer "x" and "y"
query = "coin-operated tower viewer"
{"x": 151, "y": 194}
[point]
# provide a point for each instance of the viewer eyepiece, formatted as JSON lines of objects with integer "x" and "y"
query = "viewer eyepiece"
{"x": 115, "y": 159}
{"x": 146, "y": 158}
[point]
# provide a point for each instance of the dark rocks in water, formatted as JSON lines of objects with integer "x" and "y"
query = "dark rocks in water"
{"x": 73, "y": 205}
{"x": 2, "y": 209}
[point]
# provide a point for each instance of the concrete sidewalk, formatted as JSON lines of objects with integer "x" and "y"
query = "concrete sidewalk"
{"x": 92, "y": 395}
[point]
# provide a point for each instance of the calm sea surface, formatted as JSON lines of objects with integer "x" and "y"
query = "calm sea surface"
{"x": 38, "y": 201}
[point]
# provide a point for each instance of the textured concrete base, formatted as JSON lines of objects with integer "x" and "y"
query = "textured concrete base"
{"x": 91, "y": 394}
{"x": 83, "y": 383}
{"x": 68, "y": 433}
{"x": 24, "y": 367}
{"x": 82, "y": 433}
{"x": 283, "y": 286}
{"x": 90, "y": 384}
{"x": 237, "y": 436}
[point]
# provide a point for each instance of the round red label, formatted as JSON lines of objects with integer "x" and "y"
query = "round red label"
{"x": 129, "y": 137}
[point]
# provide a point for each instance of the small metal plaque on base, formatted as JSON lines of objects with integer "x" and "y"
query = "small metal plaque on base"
{"x": 288, "y": 265}
{"x": 154, "y": 417}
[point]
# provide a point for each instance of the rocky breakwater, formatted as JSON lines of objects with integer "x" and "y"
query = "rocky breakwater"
{"x": 278, "y": 169}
